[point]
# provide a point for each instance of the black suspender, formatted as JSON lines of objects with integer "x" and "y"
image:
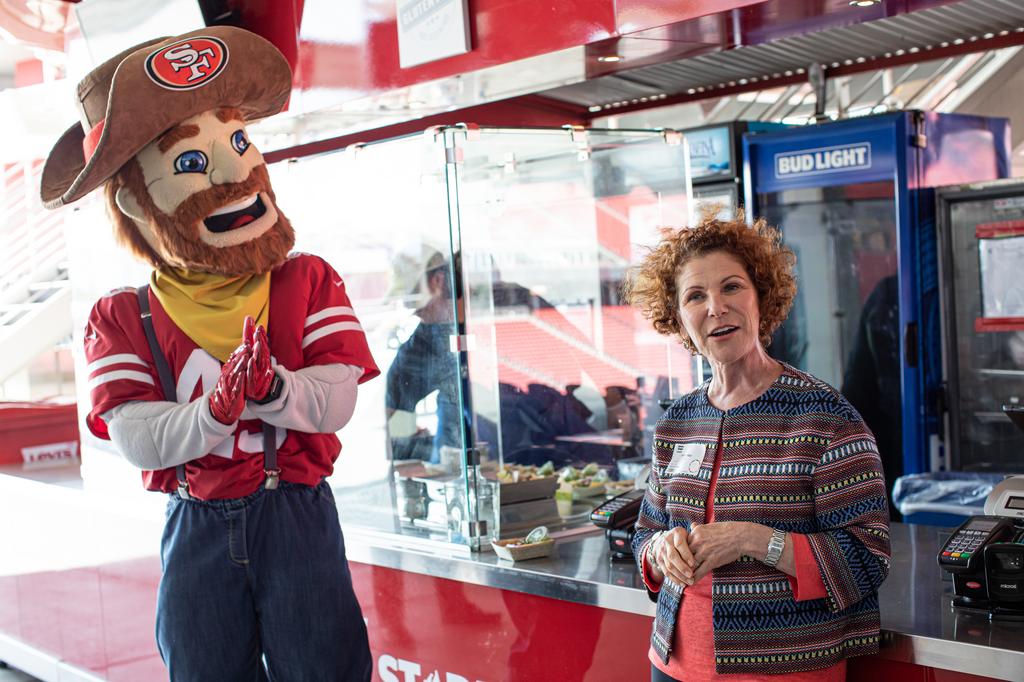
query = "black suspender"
{"x": 167, "y": 385}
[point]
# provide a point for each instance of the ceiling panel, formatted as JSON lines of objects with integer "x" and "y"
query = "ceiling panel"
{"x": 918, "y": 32}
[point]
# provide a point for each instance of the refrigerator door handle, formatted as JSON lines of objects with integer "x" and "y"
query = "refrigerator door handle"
{"x": 910, "y": 344}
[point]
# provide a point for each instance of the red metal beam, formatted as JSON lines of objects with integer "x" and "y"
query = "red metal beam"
{"x": 526, "y": 111}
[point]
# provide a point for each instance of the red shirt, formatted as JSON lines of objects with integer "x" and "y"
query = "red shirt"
{"x": 693, "y": 646}
{"x": 311, "y": 323}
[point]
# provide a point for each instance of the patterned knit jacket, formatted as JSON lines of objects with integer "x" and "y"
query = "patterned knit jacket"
{"x": 798, "y": 458}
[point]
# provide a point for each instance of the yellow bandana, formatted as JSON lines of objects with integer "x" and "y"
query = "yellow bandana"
{"x": 210, "y": 308}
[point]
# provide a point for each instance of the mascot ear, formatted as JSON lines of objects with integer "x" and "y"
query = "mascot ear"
{"x": 129, "y": 205}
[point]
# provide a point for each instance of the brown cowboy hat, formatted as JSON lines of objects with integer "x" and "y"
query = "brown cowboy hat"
{"x": 132, "y": 98}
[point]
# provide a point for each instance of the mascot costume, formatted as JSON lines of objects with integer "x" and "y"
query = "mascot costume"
{"x": 226, "y": 377}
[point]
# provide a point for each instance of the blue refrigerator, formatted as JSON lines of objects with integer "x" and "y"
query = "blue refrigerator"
{"x": 855, "y": 201}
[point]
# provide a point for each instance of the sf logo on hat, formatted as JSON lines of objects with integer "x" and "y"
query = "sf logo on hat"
{"x": 188, "y": 63}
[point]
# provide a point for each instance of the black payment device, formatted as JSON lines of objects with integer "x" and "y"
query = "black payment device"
{"x": 1004, "y": 571}
{"x": 963, "y": 555}
{"x": 962, "y": 552}
{"x": 966, "y": 555}
{"x": 619, "y": 511}
{"x": 617, "y": 517}
{"x": 986, "y": 553}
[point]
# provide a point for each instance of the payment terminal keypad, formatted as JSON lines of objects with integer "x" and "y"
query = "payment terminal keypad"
{"x": 618, "y": 510}
{"x": 967, "y": 542}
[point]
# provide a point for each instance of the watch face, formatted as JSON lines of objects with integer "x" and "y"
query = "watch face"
{"x": 275, "y": 387}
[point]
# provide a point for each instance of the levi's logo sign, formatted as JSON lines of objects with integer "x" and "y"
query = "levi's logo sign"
{"x": 187, "y": 64}
{"x": 846, "y": 157}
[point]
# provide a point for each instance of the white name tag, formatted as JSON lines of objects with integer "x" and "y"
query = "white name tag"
{"x": 686, "y": 459}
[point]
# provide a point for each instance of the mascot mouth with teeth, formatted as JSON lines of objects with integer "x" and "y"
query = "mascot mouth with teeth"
{"x": 226, "y": 377}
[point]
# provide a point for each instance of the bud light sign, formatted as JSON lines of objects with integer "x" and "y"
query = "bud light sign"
{"x": 837, "y": 159}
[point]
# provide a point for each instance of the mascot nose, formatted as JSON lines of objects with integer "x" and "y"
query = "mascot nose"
{"x": 228, "y": 166}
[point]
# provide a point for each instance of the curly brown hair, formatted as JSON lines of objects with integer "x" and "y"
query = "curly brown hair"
{"x": 651, "y": 285}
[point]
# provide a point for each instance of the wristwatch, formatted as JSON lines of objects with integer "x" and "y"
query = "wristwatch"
{"x": 274, "y": 392}
{"x": 775, "y": 547}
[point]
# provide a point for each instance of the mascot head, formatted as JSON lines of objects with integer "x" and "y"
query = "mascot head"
{"x": 163, "y": 126}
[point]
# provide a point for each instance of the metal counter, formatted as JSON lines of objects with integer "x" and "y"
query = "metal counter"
{"x": 919, "y": 624}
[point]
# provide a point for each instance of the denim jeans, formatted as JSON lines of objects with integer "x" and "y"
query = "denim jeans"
{"x": 658, "y": 676}
{"x": 260, "y": 580}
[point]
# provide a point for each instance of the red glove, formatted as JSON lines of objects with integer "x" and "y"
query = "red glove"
{"x": 245, "y": 349}
{"x": 258, "y": 373}
{"x": 228, "y": 398}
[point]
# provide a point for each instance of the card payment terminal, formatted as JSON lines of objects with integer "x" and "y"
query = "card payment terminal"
{"x": 619, "y": 511}
{"x": 962, "y": 552}
{"x": 617, "y": 517}
{"x": 986, "y": 555}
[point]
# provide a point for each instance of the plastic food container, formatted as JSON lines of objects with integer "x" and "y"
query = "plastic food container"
{"x": 534, "y": 489}
{"x": 513, "y": 550}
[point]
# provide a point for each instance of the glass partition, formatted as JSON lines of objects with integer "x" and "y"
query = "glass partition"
{"x": 379, "y": 215}
{"x": 486, "y": 267}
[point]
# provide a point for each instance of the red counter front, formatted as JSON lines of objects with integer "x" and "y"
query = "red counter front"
{"x": 100, "y": 620}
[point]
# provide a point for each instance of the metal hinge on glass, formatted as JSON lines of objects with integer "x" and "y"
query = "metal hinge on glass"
{"x": 919, "y": 139}
{"x": 471, "y": 130}
{"x": 579, "y": 136}
{"x": 673, "y": 138}
{"x": 462, "y": 342}
{"x": 355, "y": 149}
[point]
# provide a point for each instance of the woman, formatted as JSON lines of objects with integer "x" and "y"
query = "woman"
{"x": 764, "y": 530}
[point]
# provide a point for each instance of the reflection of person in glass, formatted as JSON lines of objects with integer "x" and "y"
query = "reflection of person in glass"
{"x": 424, "y": 364}
{"x": 766, "y": 500}
{"x": 531, "y": 417}
{"x": 871, "y": 381}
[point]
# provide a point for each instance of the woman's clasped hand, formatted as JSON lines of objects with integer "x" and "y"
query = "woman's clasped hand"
{"x": 685, "y": 556}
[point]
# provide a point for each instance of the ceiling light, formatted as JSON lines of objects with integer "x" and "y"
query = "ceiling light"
{"x": 864, "y": 3}
{"x": 610, "y": 58}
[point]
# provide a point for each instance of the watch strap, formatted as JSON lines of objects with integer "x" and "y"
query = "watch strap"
{"x": 274, "y": 392}
{"x": 775, "y": 546}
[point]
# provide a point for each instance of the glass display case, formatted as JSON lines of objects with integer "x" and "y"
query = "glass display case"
{"x": 981, "y": 233}
{"x": 485, "y": 266}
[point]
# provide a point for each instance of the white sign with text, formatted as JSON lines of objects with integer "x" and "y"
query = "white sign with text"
{"x": 431, "y": 29}
{"x": 50, "y": 454}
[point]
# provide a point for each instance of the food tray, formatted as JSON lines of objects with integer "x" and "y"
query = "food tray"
{"x": 534, "y": 489}
{"x": 581, "y": 492}
{"x": 534, "y": 550}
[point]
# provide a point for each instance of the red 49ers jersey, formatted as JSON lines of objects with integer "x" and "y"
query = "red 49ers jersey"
{"x": 311, "y": 323}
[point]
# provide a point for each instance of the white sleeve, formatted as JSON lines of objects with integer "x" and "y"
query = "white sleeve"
{"x": 158, "y": 434}
{"x": 315, "y": 399}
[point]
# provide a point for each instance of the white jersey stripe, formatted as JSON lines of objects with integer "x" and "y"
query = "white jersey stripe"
{"x": 330, "y": 329}
{"x": 120, "y": 374}
{"x": 118, "y": 359}
{"x": 329, "y": 312}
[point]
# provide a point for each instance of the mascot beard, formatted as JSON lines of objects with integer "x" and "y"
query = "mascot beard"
{"x": 174, "y": 240}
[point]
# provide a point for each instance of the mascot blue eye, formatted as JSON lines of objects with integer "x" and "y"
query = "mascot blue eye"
{"x": 239, "y": 142}
{"x": 192, "y": 161}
